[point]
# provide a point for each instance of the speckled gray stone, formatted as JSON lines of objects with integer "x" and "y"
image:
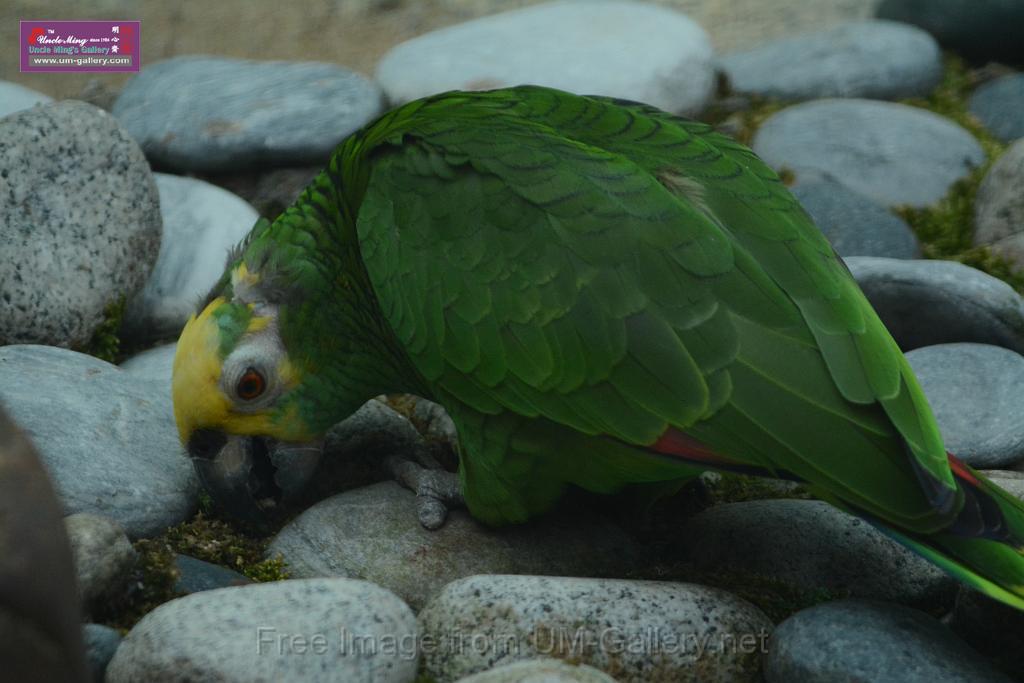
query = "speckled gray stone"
{"x": 196, "y": 575}
{"x": 875, "y": 59}
{"x": 998, "y": 105}
{"x": 870, "y": 642}
{"x": 892, "y": 153}
{"x": 975, "y": 391}
{"x": 107, "y": 438}
{"x": 101, "y": 642}
{"x": 854, "y": 224}
{"x": 579, "y": 46}
{"x": 202, "y": 223}
{"x": 156, "y": 364}
{"x": 637, "y": 631}
{"x": 999, "y": 206}
{"x": 104, "y": 558}
{"x": 302, "y": 630}
{"x": 15, "y": 97}
{"x": 79, "y": 222}
{"x": 935, "y": 302}
{"x": 811, "y": 545}
{"x": 982, "y": 30}
{"x": 373, "y": 533}
{"x": 198, "y": 113}
{"x": 544, "y": 670}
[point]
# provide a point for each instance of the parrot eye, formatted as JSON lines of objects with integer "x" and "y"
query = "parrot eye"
{"x": 250, "y": 385}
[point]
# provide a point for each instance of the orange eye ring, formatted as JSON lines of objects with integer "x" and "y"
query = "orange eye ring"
{"x": 251, "y": 385}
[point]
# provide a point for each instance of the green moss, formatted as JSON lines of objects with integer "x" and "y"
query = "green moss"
{"x": 738, "y": 488}
{"x": 151, "y": 585}
{"x": 216, "y": 541}
{"x": 105, "y": 343}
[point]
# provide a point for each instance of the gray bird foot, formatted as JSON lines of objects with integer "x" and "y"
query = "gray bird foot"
{"x": 437, "y": 490}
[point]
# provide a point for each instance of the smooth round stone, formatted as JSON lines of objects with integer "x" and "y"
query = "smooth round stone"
{"x": 309, "y": 630}
{"x": 982, "y": 30}
{"x": 975, "y": 391}
{"x": 810, "y": 544}
{"x": 104, "y": 557}
{"x": 634, "y": 630}
{"x": 198, "y": 113}
{"x": 871, "y": 642}
{"x": 195, "y": 575}
{"x": 991, "y": 627}
{"x": 156, "y": 364}
{"x": 15, "y": 97}
{"x": 543, "y": 670}
{"x": 891, "y": 153}
{"x": 874, "y": 59}
{"x": 101, "y": 642}
{"x": 374, "y": 533}
{"x": 202, "y": 223}
{"x": 998, "y": 105}
{"x": 854, "y": 224}
{"x": 79, "y": 222}
{"x": 935, "y": 302}
{"x": 999, "y": 206}
{"x": 107, "y": 438}
{"x": 583, "y": 47}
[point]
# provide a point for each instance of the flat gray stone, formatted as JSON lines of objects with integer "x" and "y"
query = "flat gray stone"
{"x": 309, "y": 630}
{"x": 156, "y": 364}
{"x": 107, "y": 438}
{"x": 999, "y": 206}
{"x": 998, "y": 105}
{"x": 892, "y": 153}
{"x": 198, "y": 113}
{"x": 636, "y": 631}
{"x": 374, "y": 533}
{"x": 202, "y": 223}
{"x": 854, "y": 224}
{"x": 588, "y": 48}
{"x": 543, "y": 670}
{"x": 874, "y": 59}
{"x": 982, "y": 30}
{"x": 936, "y": 302}
{"x": 195, "y": 576}
{"x": 811, "y": 545}
{"x": 104, "y": 558}
{"x": 68, "y": 254}
{"x": 975, "y": 391}
{"x": 871, "y": 642}
{"x": 1011, "y": 481}
{"x": 15, "y": 97}
{"x": 101, "y": 642}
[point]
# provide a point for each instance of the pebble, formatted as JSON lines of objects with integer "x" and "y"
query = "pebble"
{"x": 982, "y": 30}
{"x": 15, "y": 97}
{"x": 998, "y": 105}
{"x": 101, "y": 642}
{"x": 854, "y": 224}
{"x": 104, "y": 558}
{"x": 374, "y": 533}
{"x": 993, "y": 628}
{"x": 68, "y": 254}
{"x": 810, "y": 545}
{"x": 195, "y": 575}
{"x": 574, "y": 45}
{"x": 935, "y": 302}
{"x": 156, "y": 364}
{"x": 300, "y": 630}
{"x": 199, "y": 113}
{"x": 202, "y": 223}
{"x": 874, "y": 59}
{"x": 871, "y": 642}
{"x": 636, "y": 631}
{"x": 891, "y": 153}
{"x": 107, "y": 439}
{"x": 999, "y": 206}
{"x": 543, "y": 670}
{"x": 1011, "y": 481}
{"x": 975, "y": 391}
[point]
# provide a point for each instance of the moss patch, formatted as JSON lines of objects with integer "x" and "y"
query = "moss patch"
{"x": 105, "y": 343}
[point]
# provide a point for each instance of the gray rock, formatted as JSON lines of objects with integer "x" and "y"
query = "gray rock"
{"x": 874, "y": 59}
{"x": 542, "y": 670}
{"x": 993, "y": 628}
{"x": 583, "y": 47}
{"x": 811, "y": 545}
{"x": 68, "y": 254}
{"x": 892, "y": 153}
{"x": 935, "y": 302}
{"x": 195, "y": 575}
{"x": 982, "y": 30}
{"x": 870, "y": 642}
{"x": 201, "y": 223}
{"x": 975, "y": 391}
{"x": 107, "y": 438}
{"x": 198, "y": 113}
{"x": 999, "y": 206}
{"x": 154, "y": 365}
{"x": 101, "y": 642}
{"x": 998, "y": 105}
{"x": 854, "y": 224}
{"x": 634, "y": 630}
{"x": 374, "y": 533}
{"x": 310, "y": 630}
{"x": 104, "y": 558}
{"x": 1011, "y": 481}
{"x": 40, "y": 637}
{"x": 14, "y": 97}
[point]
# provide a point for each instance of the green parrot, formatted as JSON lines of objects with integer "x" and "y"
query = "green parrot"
{"x": 599, "y": 294}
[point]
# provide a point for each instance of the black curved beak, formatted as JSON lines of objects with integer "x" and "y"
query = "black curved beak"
{"x": 250, "y": 477}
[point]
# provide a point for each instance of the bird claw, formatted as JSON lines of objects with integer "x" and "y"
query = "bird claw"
{"x": 437, "y": 490}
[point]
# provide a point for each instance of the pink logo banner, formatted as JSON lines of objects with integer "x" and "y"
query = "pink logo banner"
{"x": 78, "y": 46}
